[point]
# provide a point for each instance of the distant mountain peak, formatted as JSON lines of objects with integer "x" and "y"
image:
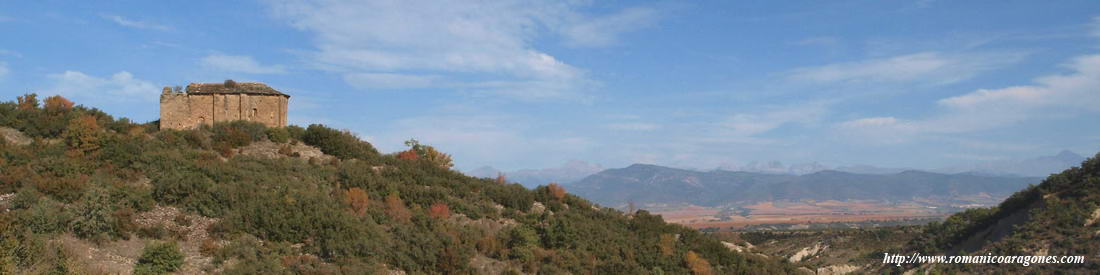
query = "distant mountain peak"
{"x": 1069, "y": 156}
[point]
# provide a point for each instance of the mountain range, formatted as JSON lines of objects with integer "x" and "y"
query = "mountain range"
{"x": 651, "y": 184}
{"x": 575, "y": 170}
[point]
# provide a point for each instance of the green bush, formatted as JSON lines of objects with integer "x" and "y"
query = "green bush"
{"x": 342, "y": 144}
{"x": 238, "y": 133}
{"x": 159, "y": 258}
{"x": 278, "y": 135}
{"x": 295, "y": 132}
{"x": 93, "y": 218}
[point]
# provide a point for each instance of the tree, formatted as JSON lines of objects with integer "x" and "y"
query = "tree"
{"x": 57, "y": 103}
{"x": 28, "y": 102}
{"x": 556, "y": 191}
{"x": 429, "y": 153}
{"x": 358, "y": 200}
{"x": 82, "y": 134}
{"x": 408, "y": 155}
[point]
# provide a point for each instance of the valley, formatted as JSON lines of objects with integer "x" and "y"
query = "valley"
{"x": 808, "y": 214}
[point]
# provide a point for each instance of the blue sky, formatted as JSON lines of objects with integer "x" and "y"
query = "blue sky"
{"x": 527, "y": 84}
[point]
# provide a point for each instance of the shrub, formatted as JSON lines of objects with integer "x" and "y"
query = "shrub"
{"x": 395, "y": 208}
{"x": 277, "y": 135}
{"x": 358, "y": 200}
{"x": 57, "y": 104}
{"x": 159, "y": 258}
{"x": 427, "y": 152}
{"x": 439, "y": 211}
{"x": 697, "y": 264}
{"x": 45, "y": 216}
{"x": 556, "y": 191}
{"x": 83, "y": 134}
{"x": 193, "y": 191}
{"x": 295, "y": 132}
{"x": 28, "y": 102}
{"x": 238, "y": 133}
{"x": 93, "y": 218}
{"x": 342, "y": 144}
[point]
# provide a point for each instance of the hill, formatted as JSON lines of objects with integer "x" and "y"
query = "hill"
{"x": 1058, "y": 217}
{"x": 91, "y": 194}
{"x": 646, "y": 184}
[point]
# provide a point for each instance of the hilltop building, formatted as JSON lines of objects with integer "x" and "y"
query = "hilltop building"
{"x": 206, "y": 103}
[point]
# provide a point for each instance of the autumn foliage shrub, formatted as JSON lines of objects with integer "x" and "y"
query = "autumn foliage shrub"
{"x": 439, "y": 211}
{"x": 697, "y": 264}
{"x": 358, "y": 200}
{"x": 396, "y": 209}
{"x": 57, "y": 104}
{"x": 556, "y": 191}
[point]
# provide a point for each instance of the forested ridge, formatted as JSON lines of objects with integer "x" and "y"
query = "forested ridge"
{"x": 83, "y": 176}
{"x": 1058, "y": 217}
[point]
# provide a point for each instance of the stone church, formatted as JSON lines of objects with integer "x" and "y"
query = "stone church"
{"x": 206, "y": 103}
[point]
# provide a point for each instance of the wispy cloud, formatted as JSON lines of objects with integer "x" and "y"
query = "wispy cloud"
{"x": 122, "y": 21}
{"x": 240, "y": 64}
{"x": 1070, "y": 94}
{"x": 930, "y": 68}
{"x": 119, "y": 87}
{"x": 487, "y": 47}
{"x": 756, "y": 123}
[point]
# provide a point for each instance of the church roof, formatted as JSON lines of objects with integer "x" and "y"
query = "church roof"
{"x": 230, "y": 87}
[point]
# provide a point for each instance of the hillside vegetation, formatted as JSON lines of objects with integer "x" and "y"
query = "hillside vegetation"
{"x": 1058, "y": 217}
{"x": 89, "y": 185}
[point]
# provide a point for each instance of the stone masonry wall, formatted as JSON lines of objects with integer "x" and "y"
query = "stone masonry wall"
{"x": 187, "y": 111}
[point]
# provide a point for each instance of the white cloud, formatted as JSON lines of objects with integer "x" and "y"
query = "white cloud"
{"x": 486, "y": 46}
{"x": 119, "y": 87}
{"x": 122, "y": 21}
{"x": 1057, "y": 95}
{"x": 4, "y": 69}
{"x": 240, "y": 64}
{"x": 932, "y": 68}
{"x": 1077, "y": 90}
{"x": 752, "y": 124}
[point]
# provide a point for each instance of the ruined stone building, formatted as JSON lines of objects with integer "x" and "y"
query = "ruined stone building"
{"x": 206, "y": 103}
